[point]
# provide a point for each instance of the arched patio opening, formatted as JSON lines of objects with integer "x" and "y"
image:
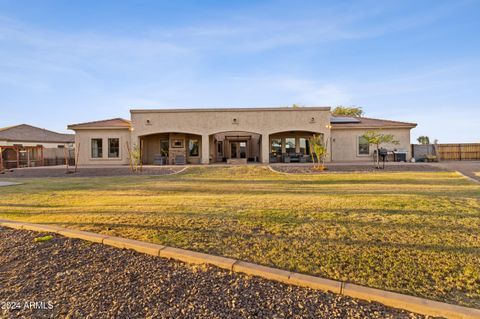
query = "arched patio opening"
{"x": 291, "y": 147}
{"x": 171, "y": 148}
{"x": 235, "y": 147}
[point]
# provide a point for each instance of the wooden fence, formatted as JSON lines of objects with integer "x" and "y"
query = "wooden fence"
{"x": 458, "y": 152}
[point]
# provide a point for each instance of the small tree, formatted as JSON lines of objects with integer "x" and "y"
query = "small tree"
{"x": 376, "y": 138}
{"x": 423, "y": 140}
{"x": 319, "y": 148}
{"x": 135, "y": 156}
{"x": 348, "y": 111}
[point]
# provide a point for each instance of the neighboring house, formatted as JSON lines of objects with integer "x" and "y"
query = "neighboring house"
{"x": 25, "y": 145}
{"x": 235, "y": 135}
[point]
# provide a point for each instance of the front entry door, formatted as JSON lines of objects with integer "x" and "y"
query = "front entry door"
{"x": 238, "y": 149}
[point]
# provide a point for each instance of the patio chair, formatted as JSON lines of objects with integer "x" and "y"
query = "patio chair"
{"x": 273, "y": 158}
{"x": 295, "y": 158}
{"x": 158, "y": 159}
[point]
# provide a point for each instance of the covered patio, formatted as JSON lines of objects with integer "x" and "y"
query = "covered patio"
{"x": 170, "y": 148}
{"x": 291, "y": 147}
{"x": 235, "y": 147}
{"x": 18, "y": 156}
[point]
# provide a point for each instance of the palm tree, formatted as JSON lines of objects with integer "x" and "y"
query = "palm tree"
{"x": 423, "y": 140}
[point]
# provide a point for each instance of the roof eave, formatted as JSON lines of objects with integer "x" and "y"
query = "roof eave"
{"x": 76, "y": 128}
{"x": 251, "y": 109}
{"x": 36, "y": 141}
{"x": 336, "y": 126}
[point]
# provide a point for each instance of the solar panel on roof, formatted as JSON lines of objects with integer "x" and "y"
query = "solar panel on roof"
{"x": 343, "y": 119}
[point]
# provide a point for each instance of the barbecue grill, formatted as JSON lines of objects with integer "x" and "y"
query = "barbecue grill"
{"x": 400, "y": 155}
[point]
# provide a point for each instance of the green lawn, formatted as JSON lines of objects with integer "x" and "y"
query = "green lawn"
{"x": 415, "y": 233}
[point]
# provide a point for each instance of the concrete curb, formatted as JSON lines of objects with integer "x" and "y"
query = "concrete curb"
{"x": 175, "y": 173}
{"x": 278, "y": 172}
{"x": 140, "y": 246}
{"x": 392, "y": 299}
{"x": 5, "y": 183}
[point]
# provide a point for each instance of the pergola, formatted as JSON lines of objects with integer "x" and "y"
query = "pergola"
{"x": 16, "y": 156}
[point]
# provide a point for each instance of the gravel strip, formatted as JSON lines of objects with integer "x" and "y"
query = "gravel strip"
{"x": 78, "y": 279}
{"x": 308, "y": 169}
{"x": 86, "y": 172}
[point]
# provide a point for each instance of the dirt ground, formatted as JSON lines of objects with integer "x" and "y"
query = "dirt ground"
{"x": 71, "y": 278}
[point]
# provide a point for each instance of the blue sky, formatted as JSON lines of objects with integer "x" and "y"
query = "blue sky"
{"x": 65, "y": 62}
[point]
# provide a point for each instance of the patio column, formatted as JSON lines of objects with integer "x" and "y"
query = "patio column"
{"x": 18, "y": 156}
{"x": 205, "y": 159}
{"x": 265, "y": 149}
{"x": 28, "y": 156}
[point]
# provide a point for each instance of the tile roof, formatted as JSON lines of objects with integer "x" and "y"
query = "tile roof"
{"x": 366, "y": 122}
{"x": 29, "y": 133}
{"x": 110, "y": 123}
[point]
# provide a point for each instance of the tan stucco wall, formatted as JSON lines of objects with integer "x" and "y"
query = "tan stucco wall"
{"x": 209, "y": 122}
{"x": 345, "y": 143}
{"x": 83, "y": 138}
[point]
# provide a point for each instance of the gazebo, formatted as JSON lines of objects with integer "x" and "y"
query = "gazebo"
{"x": 17, "y": 156}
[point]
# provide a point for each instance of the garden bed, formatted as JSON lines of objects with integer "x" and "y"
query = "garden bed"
{"x": 72, "y": 278}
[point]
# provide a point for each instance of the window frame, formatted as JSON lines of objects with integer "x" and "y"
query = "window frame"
{"x": 274, "y": 151}
{"x": 165, "y": 142}
{"x": 358, "y": 147}
{"x": 101, "y": 148}
{"x": 307, "y": 145}
{"x": 189, "y": 149}
{"x": 294, "y": 148}
{"x": 108, "y": 148}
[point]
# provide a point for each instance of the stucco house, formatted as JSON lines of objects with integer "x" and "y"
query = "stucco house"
{"x": 232, "y": 135}
{"x": 26, "y": 145}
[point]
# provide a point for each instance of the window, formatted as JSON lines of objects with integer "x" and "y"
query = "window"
{"x": 113, "y": 147}
{"x": 193, "y": 147}
{"x": 61, "y": 146}
{"x": 97, "y": 150}
{"x": 164, "y": 148}
{"x": 290, "y": 145}
{"x": 243, "y": 149}
{"x": 276, "y": 146}
{"x": 304, "y": 146}
{"x": 363, "y": 146}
